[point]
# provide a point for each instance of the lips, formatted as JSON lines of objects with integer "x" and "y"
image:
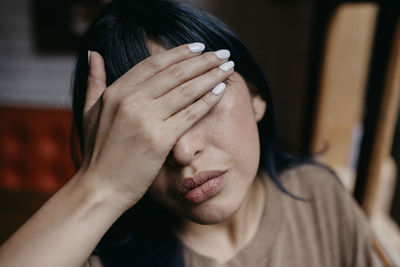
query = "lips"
{"x": 201, "y": 186}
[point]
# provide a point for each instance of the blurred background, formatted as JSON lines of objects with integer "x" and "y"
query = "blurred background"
{"x": 334, "y": 68}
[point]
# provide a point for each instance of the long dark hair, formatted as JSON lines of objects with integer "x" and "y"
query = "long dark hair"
{"x": 120, "y": 35}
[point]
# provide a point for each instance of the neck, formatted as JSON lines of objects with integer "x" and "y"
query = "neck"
{"x": 223, "y": 240}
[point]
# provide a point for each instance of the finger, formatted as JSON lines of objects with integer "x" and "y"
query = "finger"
{"x": 181, "y": 72}
{"x": 159, "y": 61}
{"x": 187, "y": 93}
{"x": 96, "y": 79}
{"x": 186, "y": 118}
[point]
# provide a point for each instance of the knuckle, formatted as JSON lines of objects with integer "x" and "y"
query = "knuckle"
{"x": 176, "y": 71}
{"x": 189, "y": 114}
{"x": 210, "y": 58}
{"x": 128, "y": 107}
{"x": 125, "y": 108}
{"x": 207, "y": 101}
{"x": 215, "y": 74}
{"x": 185, "y": 91}
{"x": 152, "y": 63}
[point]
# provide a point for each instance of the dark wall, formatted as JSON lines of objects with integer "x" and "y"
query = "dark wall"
{"x": 279, "y": 35}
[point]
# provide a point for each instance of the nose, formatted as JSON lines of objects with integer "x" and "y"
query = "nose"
{"x": 186, "y": 149}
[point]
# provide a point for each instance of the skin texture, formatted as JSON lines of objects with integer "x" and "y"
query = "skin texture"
{"x": 225, "y": 139}
{"x": 130, "y": 128}
{"x": 138, "y": 122}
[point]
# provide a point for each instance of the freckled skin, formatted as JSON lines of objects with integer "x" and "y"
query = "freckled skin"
{"x": 225, "y": 139}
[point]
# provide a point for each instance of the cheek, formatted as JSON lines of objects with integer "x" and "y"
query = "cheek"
{"x": 235, "y": 124}
{"x": 229, "y": 138}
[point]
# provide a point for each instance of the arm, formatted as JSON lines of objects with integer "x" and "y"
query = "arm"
{"x": 129, "y": 129}
{"x": 65, "y": 230}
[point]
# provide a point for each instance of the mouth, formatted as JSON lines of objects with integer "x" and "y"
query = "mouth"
{"x": 202, "y": 186}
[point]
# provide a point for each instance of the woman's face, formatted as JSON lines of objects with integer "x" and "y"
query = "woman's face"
{"x": 224, "y": 140}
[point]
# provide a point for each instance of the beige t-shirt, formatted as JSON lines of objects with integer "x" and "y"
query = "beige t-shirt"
{"x": 328, "y": 230}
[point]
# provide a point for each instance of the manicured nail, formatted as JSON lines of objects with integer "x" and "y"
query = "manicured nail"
{"x": 219, "y": 89}
{"x": 196, "y": 47}
{"x": 88, "y": 57}
{"x": 227, "y": 66}
{"x": 223, "y": 54}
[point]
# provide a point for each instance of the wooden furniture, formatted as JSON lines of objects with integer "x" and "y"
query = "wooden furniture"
{"x": 379, "y": 170}
{"x": 344, "y": 73}
{"x": 356, "y": 109}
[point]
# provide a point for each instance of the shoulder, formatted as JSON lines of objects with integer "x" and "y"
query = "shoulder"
{"x": 331, "y": 209}
{"x": 312, "y": 180}
{"x": 324, "y": 194}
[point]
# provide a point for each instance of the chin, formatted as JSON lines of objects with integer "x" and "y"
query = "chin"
{"x": 210, "y": 214}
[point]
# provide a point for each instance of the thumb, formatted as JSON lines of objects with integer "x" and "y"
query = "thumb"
{"x": 96, "y": 79}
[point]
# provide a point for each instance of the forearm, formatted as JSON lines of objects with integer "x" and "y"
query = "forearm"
{"x": 65, "y": 230}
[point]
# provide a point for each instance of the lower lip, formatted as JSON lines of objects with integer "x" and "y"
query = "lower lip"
{"x": 205, "y": 191}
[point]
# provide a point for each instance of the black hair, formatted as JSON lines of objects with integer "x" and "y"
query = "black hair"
{"x": 121, "y": 34}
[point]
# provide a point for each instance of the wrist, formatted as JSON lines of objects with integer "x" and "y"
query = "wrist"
{"x": 98, "y": 194}
{"x": 75, "y": 219}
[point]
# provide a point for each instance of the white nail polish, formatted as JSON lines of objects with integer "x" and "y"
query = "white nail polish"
{"x": 196, "y": 47}
{"x": 227, "y": 66}
{"x": 219, "y": 89}
{"x": 88, "y": 57}
{"x": 223, "y": 54}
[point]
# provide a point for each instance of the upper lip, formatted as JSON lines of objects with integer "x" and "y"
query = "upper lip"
{"x": 189, "y": 183}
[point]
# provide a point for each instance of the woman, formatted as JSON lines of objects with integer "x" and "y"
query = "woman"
{"x": 176, "y": 125}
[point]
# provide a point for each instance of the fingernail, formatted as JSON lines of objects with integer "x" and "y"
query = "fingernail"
{"x": 88, "y": 57}
{"x": 227, "y": 66}
{"x": 196, "y": 47}
{"x": 219, "y": 89}
{"x": 223, "y": 54}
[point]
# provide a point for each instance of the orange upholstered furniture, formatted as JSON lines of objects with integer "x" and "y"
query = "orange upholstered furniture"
{"x": 35, "y": 149}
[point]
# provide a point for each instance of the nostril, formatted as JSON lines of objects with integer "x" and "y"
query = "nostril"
{"x": 186, "y": 149}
